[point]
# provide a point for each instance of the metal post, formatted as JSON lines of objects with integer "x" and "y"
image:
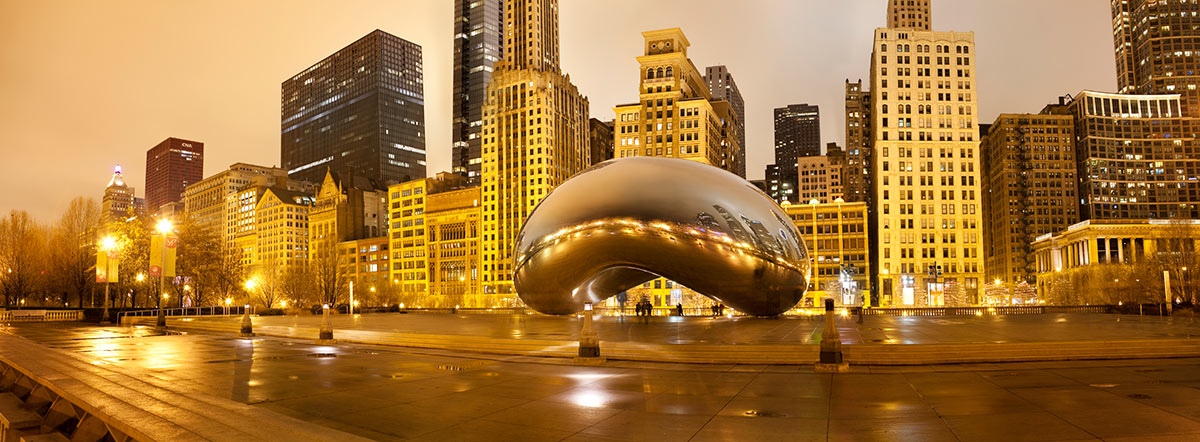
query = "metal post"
{"x": 326, "y": 334}
{"x": 1167, "y": 290}
{"x": 161, "y": 323}
{"x": 351, "y": 297}
{"x": 589, "y": 340}
{"x": 831, "y": 343}
{"x": 247, "y": 327}
{"x": 104, "y": 315}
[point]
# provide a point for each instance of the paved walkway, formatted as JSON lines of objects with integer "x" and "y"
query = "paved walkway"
{"x": 746, "y": 330}
{"x": 391, "y": 394}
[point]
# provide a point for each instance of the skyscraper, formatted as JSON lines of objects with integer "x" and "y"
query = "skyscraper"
{"x": 478, "y": 45}
{"x": 909, "y": 14}
{"x": 1030, "y": 184}
{"x": 722, "y": 87}
{"x": 927, "y": 206}
{"x": 1136, "y": 156}
{"x": 856, "y": 173}
{"x": 673, "y": 118}
{"x": 171, "y": 166}
{"x": 359, "y": 111}
{"x": 118, "y": 198}
{"x": 535, "y": 134}
{"x": 797, "y": 134}
{"x": 1155, "y": 44}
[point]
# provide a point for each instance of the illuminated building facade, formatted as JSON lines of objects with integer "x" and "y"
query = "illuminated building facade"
{"x": 280, "y": 230}
{"x": 346, "y": 209}
{"x": 926, "y": 172}
{"x": 211, "y": 202}
{"x": 837, "y": 239}
{"x": 171, "y": 166}
{"x": 1155, "y": 43}
{"x": 1064, "y": 260}
{"x": 478, "y": 45}
{"x": 819, "y": 178}
{"x": 676, "y": 117}
{"x": 118, "y": 200}
{"x": 452, "y": 237}
{"x": 1029, "y": 174}
{"x": 535, "y": 133}
{"x": 366, "y": 263}
{"x": 408, "y": 204}
{"x": 361, "y": 110}
{"x": 1136, "y": 156}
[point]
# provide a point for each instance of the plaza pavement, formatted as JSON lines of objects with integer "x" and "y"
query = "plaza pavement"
{"x": 880, "y": 340}
{"x": 386, "y": 393}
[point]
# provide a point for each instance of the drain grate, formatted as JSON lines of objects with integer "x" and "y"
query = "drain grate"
{"x": 1138, "y": 396}
{"x": 322, "y": 355}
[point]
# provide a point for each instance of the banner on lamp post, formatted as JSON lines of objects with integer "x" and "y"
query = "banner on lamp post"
{"x": 157, "y": 262}
{"x": 107, "y": 267}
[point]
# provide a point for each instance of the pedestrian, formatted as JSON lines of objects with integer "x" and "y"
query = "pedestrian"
{"x": 679, "y": 308}
{"x": 637, "y": 308}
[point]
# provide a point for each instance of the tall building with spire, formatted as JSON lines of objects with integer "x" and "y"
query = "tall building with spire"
{"x": 478, "y": 45}
{"x": 910, "y": 14}
{"x": 1155, "y": 43}
{"x": 721, "y": 85}
{"x": 535, "y": 134}
{"x": 118, "y": 198}
{"x": 676, "y": 116}
{"x": 927, "y": 206}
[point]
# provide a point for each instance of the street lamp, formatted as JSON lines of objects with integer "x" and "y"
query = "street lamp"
{"x": 164, "y": 227}
{"x": 228, "y": 301}
{"x": 108, "y": 246}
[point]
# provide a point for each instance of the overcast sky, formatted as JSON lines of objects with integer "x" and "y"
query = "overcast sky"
{"x": 86, "y": 84}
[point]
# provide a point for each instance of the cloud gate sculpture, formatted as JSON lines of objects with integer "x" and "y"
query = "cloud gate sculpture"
{"x": 624, "y": 222}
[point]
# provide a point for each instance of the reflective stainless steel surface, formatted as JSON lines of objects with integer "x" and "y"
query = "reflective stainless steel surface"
{"x": 624, "y": 222}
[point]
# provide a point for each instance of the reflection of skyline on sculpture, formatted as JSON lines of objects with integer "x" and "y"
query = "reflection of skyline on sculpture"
{"x": 688, "y": 222}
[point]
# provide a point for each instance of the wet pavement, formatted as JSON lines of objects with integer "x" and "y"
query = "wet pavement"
{"x": 394, "y": 394}
{"x": 748, "y": 330}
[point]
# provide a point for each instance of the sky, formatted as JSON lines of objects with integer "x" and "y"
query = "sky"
{"x": 88, "y": 84}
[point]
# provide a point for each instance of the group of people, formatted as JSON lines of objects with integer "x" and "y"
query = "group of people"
{"x": 644, "y": 308}
{"x": 718, "y": 309}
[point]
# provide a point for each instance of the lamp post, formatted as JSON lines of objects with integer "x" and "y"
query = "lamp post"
{"x": 141, "y": 277}
{"x": 164, "y": 227}
{"x": 108, "y": 246}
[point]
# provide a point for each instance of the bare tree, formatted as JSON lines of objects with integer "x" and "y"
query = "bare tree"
{"x": 133, "y": 239}
{"x": 73, "y": 251}
{"x": 327, "y": 272}
{"x": 22, "y": 257}
{"x": 297, "y": 285}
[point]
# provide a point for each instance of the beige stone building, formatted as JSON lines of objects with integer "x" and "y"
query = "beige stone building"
{"x": 926, "y": 171}
{"x": 413, "y": 205}
{"x": 838, "y": 240}
{"x": 820, "y": 179}
{"x": 535, "y": 134}
{"x": 118, "y": 201}
{"x": 212, "y": 203}
{"x": 911, "y": 14}
{"x": 676, "y": 115}
{"x": 1110, "y": 261}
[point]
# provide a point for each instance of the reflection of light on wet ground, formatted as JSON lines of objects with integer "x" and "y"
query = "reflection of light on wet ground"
{"x": 590, "y": 398}
{"x": 586, "y": 377}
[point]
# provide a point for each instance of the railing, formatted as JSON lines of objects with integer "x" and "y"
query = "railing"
{"x": 41, "y": 315}
{"x": 984, "y": 310}
{"x": 187, "y": 311}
